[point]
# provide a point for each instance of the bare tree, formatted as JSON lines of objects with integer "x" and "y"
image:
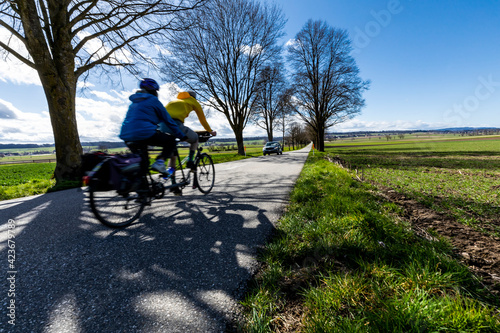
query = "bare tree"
{"x": 222, "y": 56}
{"x": 298, "y": 135}
{"x": 294, "y": 133}
{"x": 64, "y": 39}
{"x": 326, "y": 79}
{"x": 286, "y": 109}
{"x": 270, "y": 99}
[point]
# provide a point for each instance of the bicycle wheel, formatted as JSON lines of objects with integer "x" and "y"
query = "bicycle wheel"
{"x": 205, "y": 173}
{"x": 115, "y": 210}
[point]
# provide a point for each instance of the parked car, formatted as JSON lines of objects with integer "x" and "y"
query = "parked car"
{"x": 272, "y": 147}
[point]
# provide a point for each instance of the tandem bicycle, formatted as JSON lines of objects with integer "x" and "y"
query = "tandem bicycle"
{"x": 118, "y": 208}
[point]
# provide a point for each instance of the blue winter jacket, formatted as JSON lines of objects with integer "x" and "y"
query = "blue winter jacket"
{"x": 143, "y": 117}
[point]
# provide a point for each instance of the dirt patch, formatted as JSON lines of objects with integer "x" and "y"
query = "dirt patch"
{"x": 480, "y": 252}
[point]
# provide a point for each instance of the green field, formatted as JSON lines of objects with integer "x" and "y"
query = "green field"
{"x": 346, "y": 259}
{"x": 456, "y": 177}
{"x": 20, "y": 180}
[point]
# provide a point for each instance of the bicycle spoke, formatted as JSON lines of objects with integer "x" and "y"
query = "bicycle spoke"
{"x": 115, "y": 210}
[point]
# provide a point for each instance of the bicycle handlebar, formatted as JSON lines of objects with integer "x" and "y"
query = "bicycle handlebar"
{"x": 203, "y": 136}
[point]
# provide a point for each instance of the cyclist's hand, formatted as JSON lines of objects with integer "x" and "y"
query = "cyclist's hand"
{"x": 213, "y": 133}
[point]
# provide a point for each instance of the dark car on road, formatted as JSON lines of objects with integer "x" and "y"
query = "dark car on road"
{"x": 272, "y": 147}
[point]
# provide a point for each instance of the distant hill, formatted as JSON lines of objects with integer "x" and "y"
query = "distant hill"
{"x": 24, "y": 145}
{"x": 441, "y": 130}
{"x": 466, "y": 129}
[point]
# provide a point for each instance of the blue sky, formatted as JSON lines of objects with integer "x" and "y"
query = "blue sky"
{"x": 432, "y": 64}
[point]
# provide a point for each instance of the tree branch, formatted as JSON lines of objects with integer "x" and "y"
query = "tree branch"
{"x": 13, "y": 31}
{"x": 17, "y": 55}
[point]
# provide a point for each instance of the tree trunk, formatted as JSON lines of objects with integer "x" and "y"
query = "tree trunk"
{"x": 55, "y": 64}
{"x": 61, "y": 101}
{"x": 238, "y": 132}
{"x": 283, "y": 135}
{"x": 320, "y": 138}
{"x": 270, "y": 136}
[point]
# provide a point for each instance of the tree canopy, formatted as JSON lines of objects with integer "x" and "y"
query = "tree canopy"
{"x": 270, "y": 102}
{"x": 64, "y": 39}
{"x": 325, "y": 77}
{"x": 223, "y": 53}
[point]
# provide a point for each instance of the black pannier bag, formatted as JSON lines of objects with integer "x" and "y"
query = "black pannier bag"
{"x": 111, "y": 172}
{"x": 93, "y": 170}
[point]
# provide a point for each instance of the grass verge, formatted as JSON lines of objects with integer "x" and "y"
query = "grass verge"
{"x": 343, "y": 261}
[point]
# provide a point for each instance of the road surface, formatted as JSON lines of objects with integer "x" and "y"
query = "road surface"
{"x": 182, "y": 267}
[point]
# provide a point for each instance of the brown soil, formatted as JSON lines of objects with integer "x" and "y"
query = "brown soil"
{"x": 480, "y": 252}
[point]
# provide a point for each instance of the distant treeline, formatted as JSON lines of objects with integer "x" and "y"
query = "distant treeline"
{"x": 457, "y": 130}
{"x": 106, "y": 144}
{"x": 22, "y": 146}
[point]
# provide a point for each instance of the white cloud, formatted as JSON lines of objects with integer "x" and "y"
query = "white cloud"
{"x": 98, "y": 49}
{"x": 356, "y": 125}
{"x": 12, "y": 69}
{"x": 217, "y": 121}
{"x": 84, "y": 84}
{"x": 251, "y": 50}
{"x": 162, "y": 51}
{"x": 25, "y": 127}
{"x": 290, "y": 42}
{"x": 106, "y": 96}
{"x": 100, "y": 119}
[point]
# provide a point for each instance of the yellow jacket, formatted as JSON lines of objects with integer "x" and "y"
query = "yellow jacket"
{"x": 181, "y": 107}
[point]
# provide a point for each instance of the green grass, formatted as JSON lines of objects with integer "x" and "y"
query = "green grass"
{"x": 342, "y": 261}
{"x": 21, "y": 180}
{"x": 460, "y": 178}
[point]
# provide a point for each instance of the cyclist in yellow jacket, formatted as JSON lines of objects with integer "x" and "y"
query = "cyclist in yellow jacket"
{"x": 179, "y": 109}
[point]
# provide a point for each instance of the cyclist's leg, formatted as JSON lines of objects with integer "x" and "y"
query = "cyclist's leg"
{"x": 164, "y": 140}
{"x": 167, "y": 142}
{"x": 172, "y": 158}
{"x": 164, "y": 128}
{"x": 192, "y": 140}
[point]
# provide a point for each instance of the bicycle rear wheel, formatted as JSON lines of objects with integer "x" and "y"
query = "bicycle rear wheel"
{"x": 115, "y": 210}
{"x": 205, "y": 173}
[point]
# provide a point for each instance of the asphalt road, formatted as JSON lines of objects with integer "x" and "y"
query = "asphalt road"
{"x": 182, "y": 267}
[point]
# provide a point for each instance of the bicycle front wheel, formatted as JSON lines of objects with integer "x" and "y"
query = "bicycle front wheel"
{"x": 115, "y": 210}
{"x": 205, "y": 173}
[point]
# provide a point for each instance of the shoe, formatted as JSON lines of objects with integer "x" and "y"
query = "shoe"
{"x": 159, "y": 165}
{"x": 190, "y": 165}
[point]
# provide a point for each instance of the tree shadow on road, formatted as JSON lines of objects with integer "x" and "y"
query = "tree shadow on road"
{"x": 178, "y": 272}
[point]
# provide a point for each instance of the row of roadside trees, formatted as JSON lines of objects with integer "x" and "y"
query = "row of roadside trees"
{"x": 229, "y": 51}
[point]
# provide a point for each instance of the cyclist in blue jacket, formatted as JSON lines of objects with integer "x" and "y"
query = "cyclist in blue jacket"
{"x": 142, "y": 119}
